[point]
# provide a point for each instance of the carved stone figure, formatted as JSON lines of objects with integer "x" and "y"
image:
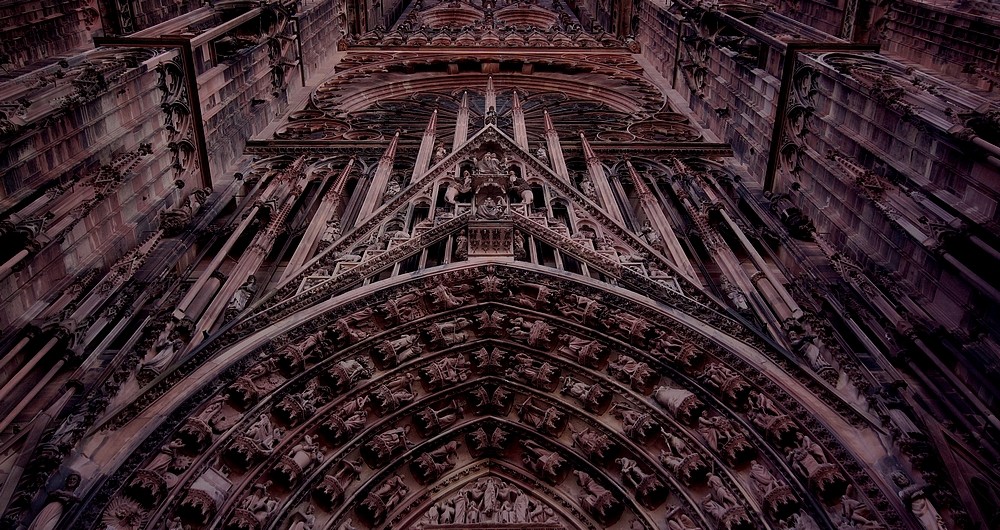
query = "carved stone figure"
{"x": 535, "y": 333}
{"x": 56, "y": 504}
{"x": 541, "y": 153}
{"x": 855, "y": 513}
{"x": 446, "y": 334}
{"x": 390, "y": 396}
{"x": 400, "y": 350}
{"x": 151, "y": 483}
{"x": 258, "y": 440}
{"x": 386, "y": 445}
{"x": 732, "y": 518}
{"x": 589, "y": 353}
{"x": 637, "y": 374}
{"x": 304, "y": 520}
{"x": 431, "y": 421}
{"x": 720, "y": 493}
{"x": 594, "y": 398}
{"x": 332, "y": 232}
{"x": 429, "y": 466}
{"x": 260, "y": 379}
{"x": 649, "y": 490}
{"x": 490, "y": 361}
{"x": 550, "y": 420}
{"x": 331, "y": 489}
{"x": 595, "y": 445}
{"x": 294, "y": 408}
{"x": 533, "y": 295}
{"x": 597, "y": 500}
{"x": 729, "y": 384}
{"x": 300, "y": 458}
{"x": 546, "y": 464}
{"x": 242, "y": 296}
{"x": 682, "y": 461}
{"x": 536, "y": 374}
{"x": 255, "y": 509}
{"x": 724, "y": 438}
{"x": 633, "y": 329}
{"x": 636, "y": 424}
{"x": 498, "y": 401}
{"x": 675, "y": 350}
{"x": 344, "y": 374}
{"x": 448, "y": 371}
{"x": 348, "y": 421}
{"x": 448, "y": 296}
{"x": 379, "y": 502}
{"x": 439, "y": 153}
{"x": 916, "y": 498}
{"x": 810, "y": 461}
{"x": 357, "y": 326}
{"x": 402, "y": 308}
{"x": 678, "y": 520}
{"x": 493, "y": 442}
{"x": 776, "y": 496}
{"x": 583, "y": 309}
{"x": 682, "y": 404}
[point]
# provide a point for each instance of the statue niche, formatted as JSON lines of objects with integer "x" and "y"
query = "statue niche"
{"x": 636, "y": 374}
{"x": 594, "y": 398}
{"x": 682, "y": 404}
{"x": 330, "y": 491}
{"x": 430, "y": 465}
{"x": 342, "y": 376}
{"x": 346, "y": 422}
{"x": 649, "y": 490}
{"x": 380, "y": 501}
{"x": 299, "y": 459}
{"x": 430, "y": 421}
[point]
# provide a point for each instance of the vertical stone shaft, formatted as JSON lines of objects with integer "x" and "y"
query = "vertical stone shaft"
{"x": 658, "y": 220}
{"x": 462, "y": 123}
{"x": 379, "y": 181}
{"x": 426, "y": 148}
{"x": 520, "y": 131}
{"x": 600, "y": 181}
{"x": 491, "y": 96}
{"x": 556, "y": 158}
{"x": 328, "y": 207}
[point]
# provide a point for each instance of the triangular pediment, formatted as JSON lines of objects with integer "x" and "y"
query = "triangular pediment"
{"x": 486, "y": 158}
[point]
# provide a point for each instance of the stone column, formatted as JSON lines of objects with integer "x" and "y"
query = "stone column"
{"x": 491, "y": 97}
{"x": 556, "y": 158}
{"x": 26, "y": 369}
{"x": 379, "y": 181}
{"x": 426, "y": 148}
{"x": 600, "y": 181}
{"x": 520, "y": 130}
{"x": 462, "y": 123}
{"x": 328, "y": 207}
{"x": 659, "y": 222}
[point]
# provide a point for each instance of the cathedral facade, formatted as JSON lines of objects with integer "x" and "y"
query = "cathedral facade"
{"x": 499, "y": 264}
